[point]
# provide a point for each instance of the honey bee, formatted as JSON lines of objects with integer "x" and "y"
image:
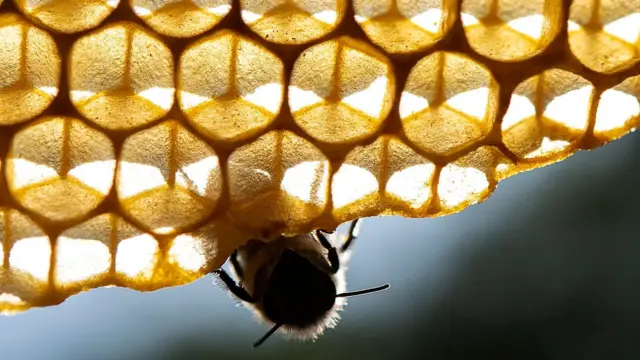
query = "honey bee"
{"x": 295, "y": 283}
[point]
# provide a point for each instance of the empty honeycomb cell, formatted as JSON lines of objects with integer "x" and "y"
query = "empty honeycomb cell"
{"x": 207, "y": 248}
{"x": 278, "y": 179}
{"x": 121, "y": 76}
{"x": 355, "y": 186}
{"x": 292, "y": 21}
{"x": 547, "y": 113}
{"x": 405, "y": 26}
{"x": 508, "y": 30}
{"x": 83, "y": 255}
{"x": 181, "y": 18}
{"x": 448, "y": 103}
{"x": 24, "y": 266}
{"x": 469, "y": 180}
{"x": 410, "y": 179}
{"x": 225, "y": 99}
{"x": 67, "y": 16}
{"x": 167, "y": 178}
{"x": 605, "y": 35}
{"x": 137, "y": 253}
{"x": 341, "y": 90}
{"x": 60, "y": 168}
{"x": 618, "y": 110}
{"x": 30, "y": 68}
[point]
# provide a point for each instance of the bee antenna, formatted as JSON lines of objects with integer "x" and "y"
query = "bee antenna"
{"x": 365, "y": 291}
{"x": 267, "y": 335}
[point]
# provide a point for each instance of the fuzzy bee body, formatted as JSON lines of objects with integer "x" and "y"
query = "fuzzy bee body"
{"x": 259, "y": 260}
{"x": 296, "y": 284}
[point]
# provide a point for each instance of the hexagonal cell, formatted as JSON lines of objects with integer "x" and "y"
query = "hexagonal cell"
{"x": 355, "y": 186}
{"x": 168, "y": 178}
{"x": 60, "y": 168}
{"x": 181, "y": 18}
{"x": 292, "y": 22}
{"x": 24, "y": 262}
{"x": 121, "y": 76}
{"x": 227, "y": 99}
{"x": 67, "y": 16}
{"x": 83, "y": 255}
{"x": 469, "y": 180}
{"x": 197, "y": 253}
{"x": 511, "y": 30}
{"x": 449, "y": 102}
{"x": 618, "y": 110}
{"x": 341, "y": 90}
{"x": 547, "y": 112}
{"x": 410, "y": 178}
{"x": 405, "y": 26}
{"x": 30, "y": 66}
{"x": 137, "y": 253}
{"x": 388, "y": 163}
{"x": 604, "y": 35}
{"x": 278, "y": 179}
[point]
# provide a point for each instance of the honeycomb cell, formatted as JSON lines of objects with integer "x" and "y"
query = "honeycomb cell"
{"x": 292, "y": 22}
{"x": 121, "y": 77}
{"x": 618, "y": 110}
{"x": 198, "y": 252}
{"x": 30, "y": 68}
{"x": 67, "y": 16}
{"x": 181, "y": 18}
{"x": 448, "y": 103}
{"x": 355, "y": 187}
{"x": 341, "y": 90}
{"x": 469, "y": 180}
{"x": 385, "y": 176}
{"x": 137, "y": 253}
{"x": 226, "y": 99}
{"x": 83, "y": 255}
{"x": 547, "y": 113}
{"x": 168, "y": 179}
{"x": 60, "y": 168}
{"x": 511, "y": 30}
{"x": 278, "y": 179}
{"x": 405, "y": 26}
{"x": 410, "y": 179}
{"x": 24, "y": 264}
{"x": 605, "y": 35}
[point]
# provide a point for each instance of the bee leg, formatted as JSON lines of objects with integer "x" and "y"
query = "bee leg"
{"x": 334, "y": 260}
{"x": 353, "y": 234}
{"x": 235, "y": 289}
{"x": 236, "y": 265}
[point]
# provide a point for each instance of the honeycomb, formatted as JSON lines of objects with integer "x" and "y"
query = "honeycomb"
{"x": 141, "y": 141}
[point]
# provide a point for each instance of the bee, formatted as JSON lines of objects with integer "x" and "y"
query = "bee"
{"x": 296, "y": 284}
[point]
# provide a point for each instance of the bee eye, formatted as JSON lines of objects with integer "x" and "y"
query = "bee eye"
{"x": 142, "y": 142}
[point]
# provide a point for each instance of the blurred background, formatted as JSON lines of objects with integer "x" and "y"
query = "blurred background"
{"x": 547, "y": 268}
